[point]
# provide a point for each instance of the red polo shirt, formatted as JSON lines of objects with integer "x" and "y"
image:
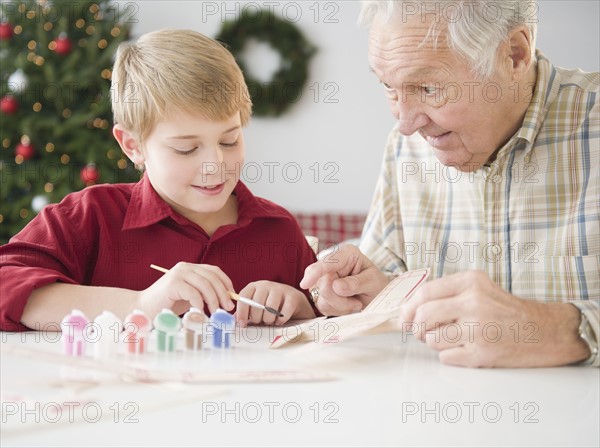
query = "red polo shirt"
{"x": 108, "y": 235}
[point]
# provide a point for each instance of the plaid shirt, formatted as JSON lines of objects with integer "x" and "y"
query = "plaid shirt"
{"x": 531, "y": 220}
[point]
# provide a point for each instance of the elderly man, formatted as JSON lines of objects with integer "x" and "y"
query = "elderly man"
{"x": 490, "y": 178}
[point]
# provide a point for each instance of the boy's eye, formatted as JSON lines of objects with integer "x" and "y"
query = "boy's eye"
{"x": 184, "y": 152}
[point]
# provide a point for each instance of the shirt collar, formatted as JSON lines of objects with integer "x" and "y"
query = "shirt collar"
{"x": 251, "y": 207}
{"x": 546, "y": 91}
{"x": 146, "y": 207}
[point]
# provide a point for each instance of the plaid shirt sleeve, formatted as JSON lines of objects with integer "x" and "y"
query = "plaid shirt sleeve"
{"x": 381, "y": 239}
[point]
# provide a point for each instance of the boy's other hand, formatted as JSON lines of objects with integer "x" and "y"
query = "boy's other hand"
{"x": 290, "y": 302}
{"x": 195, "y": 284}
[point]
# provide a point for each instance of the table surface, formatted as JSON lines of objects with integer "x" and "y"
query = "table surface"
{"x": 388, "y": 390}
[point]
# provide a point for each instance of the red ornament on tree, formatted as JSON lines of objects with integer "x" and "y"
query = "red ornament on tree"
{"x": 9, "y": 105}
{"x": 6, "y": 31}
{"x": 89, "y": 174}
{"x": 27, "y": 151}
{"x": 63, "y": 45}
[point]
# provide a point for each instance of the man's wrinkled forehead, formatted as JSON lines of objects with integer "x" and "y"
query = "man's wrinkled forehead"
{"x": 391, "y": 41}
{"x": 434, "y": 10}
{"x": 411, "y": 33}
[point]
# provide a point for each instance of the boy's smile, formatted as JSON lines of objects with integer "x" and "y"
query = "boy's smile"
{"x": 210, "y": 190}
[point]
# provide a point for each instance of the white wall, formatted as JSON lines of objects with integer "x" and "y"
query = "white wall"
{"x": 569, "y": 33}
{"x": 349, "y": 134}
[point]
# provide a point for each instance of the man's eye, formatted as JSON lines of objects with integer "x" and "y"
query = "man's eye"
{"x": 429, "y": 90}
{"x": 387, "y": 87}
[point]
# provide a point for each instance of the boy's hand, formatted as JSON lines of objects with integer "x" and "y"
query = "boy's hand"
{"x": 291, "y": 302}
{"x": 187, "y": 285}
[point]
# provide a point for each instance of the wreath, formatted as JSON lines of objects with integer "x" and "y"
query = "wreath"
{"x": 275, "y": 96}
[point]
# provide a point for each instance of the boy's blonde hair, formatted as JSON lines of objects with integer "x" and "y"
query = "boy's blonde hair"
{"x": 172, "y": 70}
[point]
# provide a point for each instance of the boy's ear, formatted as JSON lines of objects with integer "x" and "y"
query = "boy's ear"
{"x": 129, "y": 144}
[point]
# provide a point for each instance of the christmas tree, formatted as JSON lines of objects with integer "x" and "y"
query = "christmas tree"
{"x": 56, "y": 121}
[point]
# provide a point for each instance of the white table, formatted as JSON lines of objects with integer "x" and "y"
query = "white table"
{"x": 390, "y": 391}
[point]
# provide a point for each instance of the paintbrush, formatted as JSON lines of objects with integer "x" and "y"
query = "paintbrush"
{"x": 235, "y": 296}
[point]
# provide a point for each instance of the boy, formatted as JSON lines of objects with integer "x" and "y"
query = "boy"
{"x": 180, "y": 103}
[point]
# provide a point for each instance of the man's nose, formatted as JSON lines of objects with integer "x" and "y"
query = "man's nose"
{"x": 408, "y": 109}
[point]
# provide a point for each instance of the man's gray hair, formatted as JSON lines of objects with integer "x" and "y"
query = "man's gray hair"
{"x": 475, "y": 28}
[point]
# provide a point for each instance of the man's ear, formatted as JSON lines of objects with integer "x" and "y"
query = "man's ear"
{"x": 129, "y": 144}
{"x": 520, "y": 52}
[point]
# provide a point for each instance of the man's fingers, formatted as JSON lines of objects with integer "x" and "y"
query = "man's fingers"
{"x": 339, "y": 306}
{"x": 451, "y": 285}
{"x": 331, "y": 304}
{"x": 457, "y": 356}
{"x": 341, "y": 261}
{"x": 315, "y": 271}
{"x": 338, "y": 275}
{"x": 362, "y": 283}
{"x": 444, "y": 337}
{"x": 439, "y": 312}
{"x": 441, "y": 288}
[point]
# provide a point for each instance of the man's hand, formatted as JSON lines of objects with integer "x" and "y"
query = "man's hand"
{"x": 346, "y": 279}
{"x": 473, "y": 322}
